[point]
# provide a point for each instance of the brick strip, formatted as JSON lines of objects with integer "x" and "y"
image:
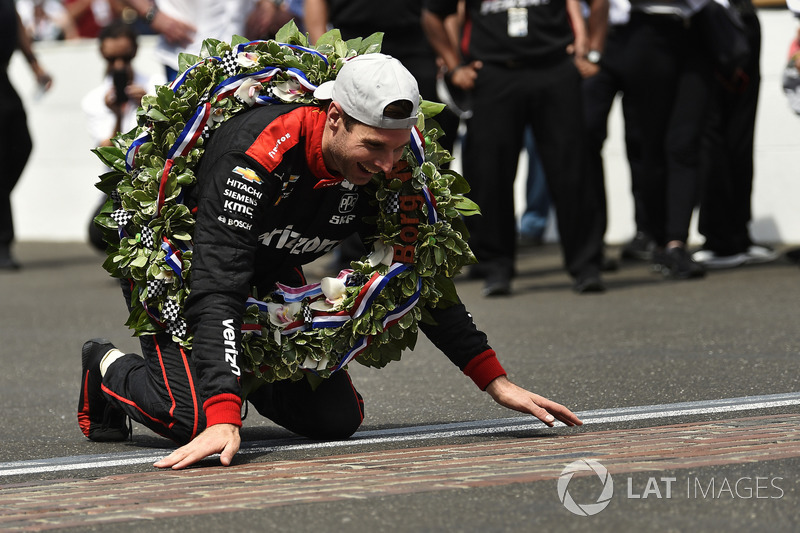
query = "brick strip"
{"x": 121, "y": 498}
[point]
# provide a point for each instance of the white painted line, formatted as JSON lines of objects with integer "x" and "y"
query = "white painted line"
{"x": 417, "y": 433}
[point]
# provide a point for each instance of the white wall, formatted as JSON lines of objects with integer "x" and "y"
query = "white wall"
{"x": 55, "y": 196}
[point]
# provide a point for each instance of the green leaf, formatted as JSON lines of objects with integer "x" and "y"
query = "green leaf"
{"x": 430, "y": 109}
{"x": 111, "y": 156}
{"x": 329, "y": 38}
{"x": 371, "y": 44}
{"x": 289, "y": 33}
{"x": 236, "y": 40}
{"x": 467, "y": 207}
{"x": 186, "y": 60}
{"x": 209, "y": 48}
{"x": 459, "y": 185}
{"x": 156, "y": 115}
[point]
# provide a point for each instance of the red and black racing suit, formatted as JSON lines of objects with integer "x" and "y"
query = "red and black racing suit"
{"x": 266, "y": 205}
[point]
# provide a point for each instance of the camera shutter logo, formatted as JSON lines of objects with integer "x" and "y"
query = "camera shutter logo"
{"x": 585, "y": 509}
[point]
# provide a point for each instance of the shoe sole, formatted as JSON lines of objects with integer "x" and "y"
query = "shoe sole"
{"x": 97, "y": 434}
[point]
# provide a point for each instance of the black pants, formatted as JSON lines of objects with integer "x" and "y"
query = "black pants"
{"x": 725, "y": 209}
{"x": 159, "y": 391}
{"x": 548, "y": 98}
{"x": 14, "y": 152}
{"x": 668, "y": 100}
{"x": 599, "y": 93}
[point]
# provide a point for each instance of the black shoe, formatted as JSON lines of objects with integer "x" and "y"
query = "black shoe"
{"x": 497, "y": 284}
{"x": 609, "y": 265}
{"x": 7, "y": 261}
{"x": 676, "y": 263}
{"x": 98, "y": 419}
{"x": 589, "y": 284}
{"x": 639, "y": 249}
{"x": 793, "y": 255}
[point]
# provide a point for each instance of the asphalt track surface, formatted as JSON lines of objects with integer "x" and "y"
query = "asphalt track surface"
{"x": 690, "y": 392}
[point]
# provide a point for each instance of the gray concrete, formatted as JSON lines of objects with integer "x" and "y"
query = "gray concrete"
{"x": 646, "y": 341}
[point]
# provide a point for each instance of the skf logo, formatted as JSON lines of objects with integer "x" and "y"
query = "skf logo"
{"x": 248, "y": 174}
{"x": 348, "y": 202}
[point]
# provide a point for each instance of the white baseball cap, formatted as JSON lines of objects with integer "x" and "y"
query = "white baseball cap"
{"x": 366, "y": 84}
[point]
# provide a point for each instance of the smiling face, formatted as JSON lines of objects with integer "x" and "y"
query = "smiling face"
{"x": 361, "y": 151}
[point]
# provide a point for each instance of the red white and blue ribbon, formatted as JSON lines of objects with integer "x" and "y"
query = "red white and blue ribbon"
{"x": 192, "y": 131}
{"x": 241, "y": 46}
{"x": 162, "y": 186}
{"x": 133, "y": 149}
{"x": 177, "y": 82}
{"x": 417, "y": 145}
{"x": 430, "y": 201}
{"x": 388, "y": 321}
{"x": 373, "y": 287}
{"x": 301, "y": 78}
{"x": 262, "y": 306}
{"x": 229, "y": 86}
{"x": 173, "y": 258}
{"x": 255, "y": 329}
{"x": 297, "y": 294}
{"x": 326, "y": 319}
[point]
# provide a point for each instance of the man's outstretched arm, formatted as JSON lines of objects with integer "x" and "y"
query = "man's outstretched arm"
{"x": 515, "y": 397}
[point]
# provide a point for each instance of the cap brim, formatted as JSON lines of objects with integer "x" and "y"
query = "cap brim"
{"x": 325, "y": 91}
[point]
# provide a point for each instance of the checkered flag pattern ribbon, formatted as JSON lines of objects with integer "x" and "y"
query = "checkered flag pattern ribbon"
{"x": 177, "y": 328}
{"x": 308, "y": 316}
{"x": 121, "y": 217}
{"x": 392, "y": 204}
{"x": 229, "y": 64}
{"x": 115, "y": 197}
{"x": 155, "y": 288}
{"x": 355, "y": 279}
{"x": 148, "y": 237}
{"x": 170, "y": 311}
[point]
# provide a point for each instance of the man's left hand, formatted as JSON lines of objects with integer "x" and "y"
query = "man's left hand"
{"x": 514, "y": 397}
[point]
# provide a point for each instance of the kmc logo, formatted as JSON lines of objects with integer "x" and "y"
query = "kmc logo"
{"x": 585, "y": 509}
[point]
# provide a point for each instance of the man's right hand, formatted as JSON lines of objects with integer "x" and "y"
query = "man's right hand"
{"x": 173, "y": 30}
{"x": 464, "y": 76}
{"x": 220, "y": 438}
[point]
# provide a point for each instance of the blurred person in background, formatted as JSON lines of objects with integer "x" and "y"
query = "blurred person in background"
{"x": 46, "y": 20}
{"x": 725, "y": 213}
{"x": 17, "y": 146}
{"x": 111, "y": 107}
{"x": 184, "y": 24}
{"x": 90, "y": 16}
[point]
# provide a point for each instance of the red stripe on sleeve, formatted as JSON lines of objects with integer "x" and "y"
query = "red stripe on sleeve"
{"x": 484, "y": 368}
{"x": 223, "y": 409}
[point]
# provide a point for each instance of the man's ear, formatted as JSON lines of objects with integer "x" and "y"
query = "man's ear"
{"x": 335, "y": 117}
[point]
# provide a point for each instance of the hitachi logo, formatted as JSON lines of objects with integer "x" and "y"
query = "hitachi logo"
{"x": 231, "y": 352}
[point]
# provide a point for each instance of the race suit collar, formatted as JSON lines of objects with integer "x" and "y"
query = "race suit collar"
{"x": 314, "y": 124}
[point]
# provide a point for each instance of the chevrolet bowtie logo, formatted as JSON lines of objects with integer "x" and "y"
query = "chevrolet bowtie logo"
{"x": 248, "y": 174}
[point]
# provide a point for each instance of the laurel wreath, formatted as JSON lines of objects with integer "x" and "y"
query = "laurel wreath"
{"x": 149, "y": 229}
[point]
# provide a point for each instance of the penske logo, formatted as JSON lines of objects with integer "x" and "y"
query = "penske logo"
{"x": 248, "y": 174}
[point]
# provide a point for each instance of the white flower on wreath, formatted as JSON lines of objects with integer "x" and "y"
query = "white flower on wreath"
{"x": 247, "y": 59}
{"x": 248, "y": 91}
{"x": 217, "y": 114}
{"x": 281, "y": 315}
{"x": 165, "y": 275}
{"x": 288, "y": 91}
{"x": 382, "y": 254}
{"x": 309, "y": 363}
{"x": 334, "y": 290}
